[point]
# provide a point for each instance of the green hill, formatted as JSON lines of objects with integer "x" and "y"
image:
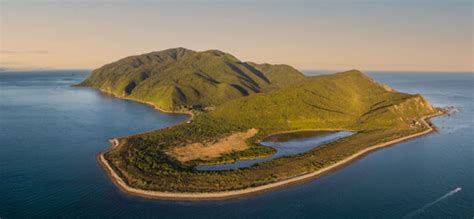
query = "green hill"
{"x": 180, "y": 79}
{"x": 347, "y": 100}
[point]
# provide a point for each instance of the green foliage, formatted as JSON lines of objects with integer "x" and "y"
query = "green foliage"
{"x": 348, "y": 100}
{"x": 179, "y": 78}
{"x": 254, "y": 152}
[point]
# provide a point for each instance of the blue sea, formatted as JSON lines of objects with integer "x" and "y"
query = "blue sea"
{"x": 51, "y": 132}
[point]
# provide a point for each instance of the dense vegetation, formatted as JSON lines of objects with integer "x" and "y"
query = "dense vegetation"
{"x": 271, "y": 99}
{"x": 180, "y": 79}
{"x": 158, "y": 173}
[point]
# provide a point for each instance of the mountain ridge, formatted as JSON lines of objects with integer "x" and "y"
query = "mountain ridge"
{"x": 180, "y": 79}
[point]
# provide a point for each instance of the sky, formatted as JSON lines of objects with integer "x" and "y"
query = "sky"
{"x": 393, "y": 35}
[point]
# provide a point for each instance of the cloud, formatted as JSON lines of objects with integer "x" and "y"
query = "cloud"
{"x": 24, "y": 52}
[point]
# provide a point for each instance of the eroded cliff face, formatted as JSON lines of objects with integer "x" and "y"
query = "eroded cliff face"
{"x": 414, "y": 106}
{"x": 405, "y": 113}
{"x": 388, "y": 88}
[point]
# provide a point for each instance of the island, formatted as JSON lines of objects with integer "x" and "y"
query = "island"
{"x": 234, "y": 105}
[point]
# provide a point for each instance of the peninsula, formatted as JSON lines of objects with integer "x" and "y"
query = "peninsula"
{"x": 234, "y": 106}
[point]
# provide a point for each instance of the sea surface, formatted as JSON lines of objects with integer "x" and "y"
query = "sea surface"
{"x": 51, "y": 132}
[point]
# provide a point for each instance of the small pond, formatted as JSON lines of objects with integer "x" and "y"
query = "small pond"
{"x": 285, "y": 144}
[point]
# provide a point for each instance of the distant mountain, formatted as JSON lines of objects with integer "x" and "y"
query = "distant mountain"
{"x": 180, "y": 79}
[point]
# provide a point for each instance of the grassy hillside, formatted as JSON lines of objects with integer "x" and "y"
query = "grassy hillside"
{"x": 347, "y": 100}
{"x": 180, "y": 79}
{"x": 343, "y": 101}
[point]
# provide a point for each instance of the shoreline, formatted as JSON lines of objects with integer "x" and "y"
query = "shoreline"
{"x": 120, "y": 183}
{"x": 155, "y": 107}
{"x": 189, "y": 112}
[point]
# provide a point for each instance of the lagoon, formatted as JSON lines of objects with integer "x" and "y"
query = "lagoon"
{"x": 285, "y": 144}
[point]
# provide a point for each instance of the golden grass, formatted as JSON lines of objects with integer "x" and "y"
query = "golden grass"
{"x": 199, "y": 151}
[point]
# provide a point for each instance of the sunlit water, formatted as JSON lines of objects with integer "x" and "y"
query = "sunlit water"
{"x": 50, "y": 134}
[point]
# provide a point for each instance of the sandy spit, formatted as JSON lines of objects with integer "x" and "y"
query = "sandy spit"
{"x": 117, "y": 180}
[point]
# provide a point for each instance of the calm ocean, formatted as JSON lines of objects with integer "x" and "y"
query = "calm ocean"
{"x": 51, "y": 132}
